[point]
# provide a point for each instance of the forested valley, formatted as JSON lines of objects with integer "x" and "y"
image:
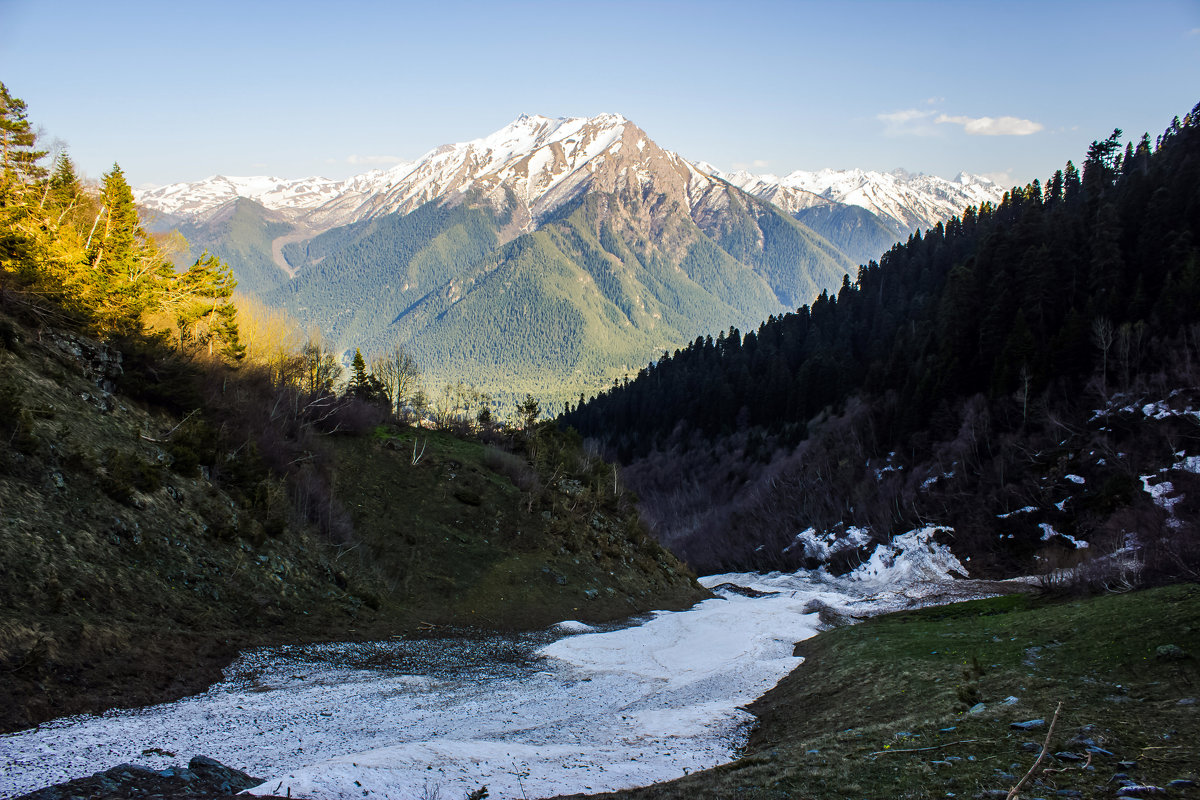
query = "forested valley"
{"x": 1024, "y": 375}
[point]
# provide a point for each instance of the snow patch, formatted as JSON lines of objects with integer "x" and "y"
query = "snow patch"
{"x": 911, "y": 559}
{"x": 1024, "y": 510}
{"x": 1049, "y": 533}
{"x": 822, "y": 547}
{"x": 1188, "y": 464}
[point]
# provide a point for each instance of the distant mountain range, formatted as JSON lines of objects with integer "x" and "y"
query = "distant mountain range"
{"x": 553, "y": 254}
{"x": 907, "y": 200}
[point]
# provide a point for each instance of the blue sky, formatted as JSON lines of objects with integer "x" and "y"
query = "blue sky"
{"x": 180, "y": 91}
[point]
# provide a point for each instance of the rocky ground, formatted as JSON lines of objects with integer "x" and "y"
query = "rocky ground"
{"x": 202, "y": 778}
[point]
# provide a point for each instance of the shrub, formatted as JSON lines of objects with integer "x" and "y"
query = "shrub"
{"x": 511, "y": 466}
{"x": 125, "y": 472}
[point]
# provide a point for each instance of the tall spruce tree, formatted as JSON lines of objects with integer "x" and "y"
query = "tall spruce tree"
{"x": 20, "y": 245}
{"x": 130, "y": 274}
{"x": 203, "y": 312}
{"x": 18, "y": 158}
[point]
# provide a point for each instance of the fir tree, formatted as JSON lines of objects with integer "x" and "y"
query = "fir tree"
{"x": 129, "y": 273}
{"x": 18, "y": 158}
{"x": 203, "y": 312}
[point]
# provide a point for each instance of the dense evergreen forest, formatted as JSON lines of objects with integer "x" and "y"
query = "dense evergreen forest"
{"x": 1009, "y": 324}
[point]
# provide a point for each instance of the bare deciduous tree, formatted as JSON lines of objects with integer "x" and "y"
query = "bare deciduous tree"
{"x": 1102, "y": 337}
{"x": 400, "y": 375}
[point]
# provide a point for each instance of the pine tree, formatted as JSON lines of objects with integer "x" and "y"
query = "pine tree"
{"x": 203, "y": 312}
{"x": 129, "y": 272}
{"x": 20, "y": 243}
{"x": 18, "y": 158}
{"x": 358, "y": 374}
{"x": 64, "y": 192}
{"x": 528, "y": 411}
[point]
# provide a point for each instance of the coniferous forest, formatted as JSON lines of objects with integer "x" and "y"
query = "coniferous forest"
{"x": 957, "y": 379}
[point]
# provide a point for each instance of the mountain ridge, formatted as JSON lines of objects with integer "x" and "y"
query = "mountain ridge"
{"x": 911, "y": 199}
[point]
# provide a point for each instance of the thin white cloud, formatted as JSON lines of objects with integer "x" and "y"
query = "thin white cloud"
{"x": 364, "y": 160}
{"x": 999, "y": 178}
{"x": 992, "y": 126}
{"x": 907, "y": 122}
{"x": 901, "y": 117}
{"x": 757, "y": 163}
{"x": 1194, "y": 32}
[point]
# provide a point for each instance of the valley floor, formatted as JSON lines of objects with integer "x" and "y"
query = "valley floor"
{"x": 939, "y": 700}
{"x": 575, "y": 709}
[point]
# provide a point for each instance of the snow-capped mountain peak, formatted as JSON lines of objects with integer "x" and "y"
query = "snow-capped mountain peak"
{"x": 536, "y": 156}
{"x": 543, "y": 162}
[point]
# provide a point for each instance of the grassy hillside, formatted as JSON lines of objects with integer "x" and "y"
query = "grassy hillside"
{"x": 923, "y": 704}
{"x": 142, "y": 543}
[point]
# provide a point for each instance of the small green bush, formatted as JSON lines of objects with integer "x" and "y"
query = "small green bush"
{"x": 125, "y": 472}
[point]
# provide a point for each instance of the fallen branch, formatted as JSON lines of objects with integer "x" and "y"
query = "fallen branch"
{"x": 168, "y": 433}
{"x": 925, "y": 749}
{"x": 1012, "y": 793}
{"x": 1084, "y": 765}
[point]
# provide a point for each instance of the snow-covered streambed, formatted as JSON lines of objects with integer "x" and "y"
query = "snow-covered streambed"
{"x": 572, "y": 710}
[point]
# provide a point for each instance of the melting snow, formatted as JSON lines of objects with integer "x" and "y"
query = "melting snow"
{"x": 822, "y": 546}
{"x": 1049, "y": 533}
{"x": 1024, "y": 510}
{"x": 591, "y": 711}
{"x": 1159, "y": 492}
{"x": 1188, "y": 464}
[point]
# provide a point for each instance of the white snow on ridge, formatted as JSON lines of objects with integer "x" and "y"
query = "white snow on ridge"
{"x": 539, "y": 153}
{"x": 587, "y": 713}
{"x": 913, "y": 201}
{"x": 274, "y": 193}
{"x": 546, "y": 162}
